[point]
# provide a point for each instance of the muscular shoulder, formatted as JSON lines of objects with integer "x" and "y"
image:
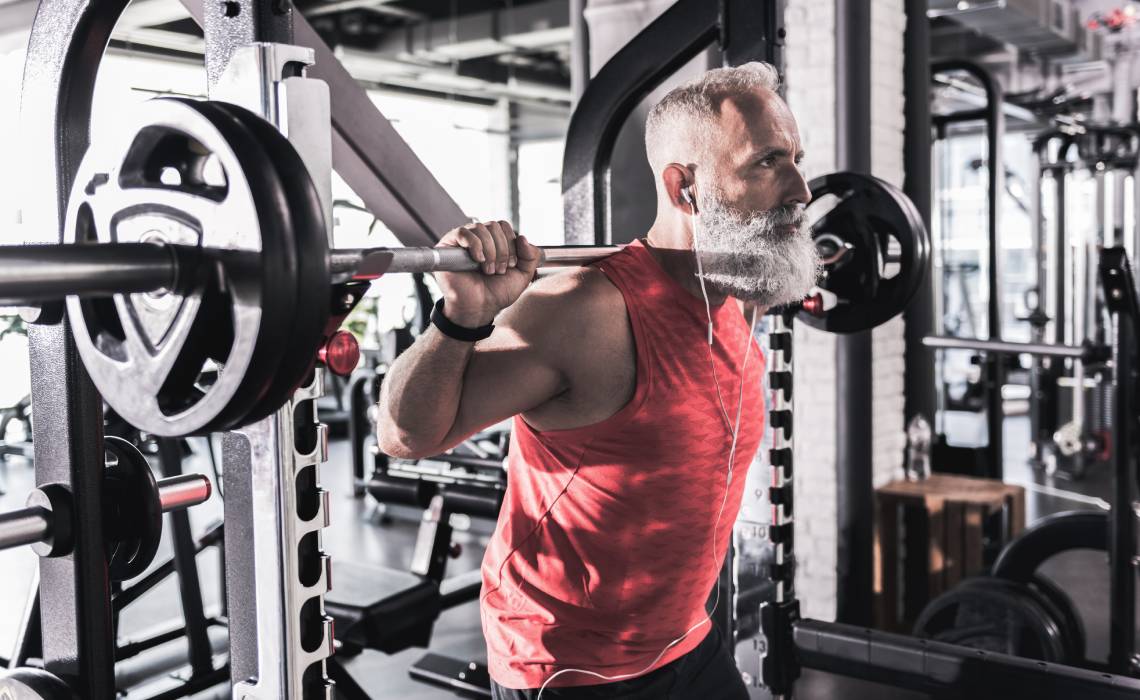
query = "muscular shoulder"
{"x": 583, "y": 290}
{"x": 568, "y": 311}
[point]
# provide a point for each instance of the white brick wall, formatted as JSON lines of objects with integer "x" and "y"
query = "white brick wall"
{"x": 810, "y": 79}
{"x": 810, "y": 91}
{"x": 888, "y": 22}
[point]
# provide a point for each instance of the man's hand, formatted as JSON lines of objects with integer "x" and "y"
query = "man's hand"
{"x": 473, "y": 299}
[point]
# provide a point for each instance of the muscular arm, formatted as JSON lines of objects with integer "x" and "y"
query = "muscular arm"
{"x": 441, "y": 390}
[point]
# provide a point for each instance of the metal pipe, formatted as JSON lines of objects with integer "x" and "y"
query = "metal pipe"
{"x": 35, "y": 273}
{"x": 31, "y": 525}
{"x": 854, "y": 458}
{"x": 939, "y": 668}
{"x": 969, "y": 115}
{"x": 1037, "y": 379}
{"x": 920, "y": 315}
{"x": 1132, "y": 242}
{"x": 1084, "y": 300}
{"x": 579, "y": 49}
{"x": 372, "y": 263}
{"x": 183, "y": 491}
{"x": 24, "y": 526}
{"x": 995, "y": 128}
{"x": 1006, "y": 348}
{"x": 31, "y": 274}
{"x": 1061, "y": 257}
{"x": 1122, "y": 519}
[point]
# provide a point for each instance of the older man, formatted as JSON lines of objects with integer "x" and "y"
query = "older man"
{"x": 634, "y": 385}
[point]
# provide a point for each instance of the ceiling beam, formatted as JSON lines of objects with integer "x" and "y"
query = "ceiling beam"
{"x": 537, "y": 26}
{"x": 380, "y": 7}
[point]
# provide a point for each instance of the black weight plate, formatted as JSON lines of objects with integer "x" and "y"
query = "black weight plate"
{"x": 311, "y": 311}
{"x": 147, "y": 354}
{"x": 1045, "y": 539}
{"x": 1048, "y": 537}
{"x": 868, "y": 213}
{"x": 981, "y": 615}
{"x": 134, "y": 511}
{"x": 273, "y": 196}
{"x": 33, "y": 684}
{"x": 1055, "y": 615}
{"x": 1072, "y": 627}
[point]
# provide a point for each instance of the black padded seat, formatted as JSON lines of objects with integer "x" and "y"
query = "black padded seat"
{"x": 375, "y": 607}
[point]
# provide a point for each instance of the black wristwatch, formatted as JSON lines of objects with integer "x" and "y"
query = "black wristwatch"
{"x": 456, "y": 331}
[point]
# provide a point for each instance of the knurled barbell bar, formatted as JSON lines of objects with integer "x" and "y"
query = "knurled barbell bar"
{"x": 33, "y": 274}
{"x": 200, "y": 287}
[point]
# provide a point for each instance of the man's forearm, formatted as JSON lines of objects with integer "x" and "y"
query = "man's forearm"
{"x": 420, "y": 396}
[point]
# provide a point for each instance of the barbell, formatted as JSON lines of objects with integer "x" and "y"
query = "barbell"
{"x": 200, "y": 288}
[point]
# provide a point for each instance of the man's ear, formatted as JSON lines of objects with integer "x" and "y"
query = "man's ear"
{"x": 678, "y": 181}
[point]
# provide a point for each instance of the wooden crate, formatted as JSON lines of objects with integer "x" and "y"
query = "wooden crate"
{"x": 944, "y": 517}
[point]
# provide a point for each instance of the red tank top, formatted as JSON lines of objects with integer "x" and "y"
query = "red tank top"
{"x": 603, "y": 552}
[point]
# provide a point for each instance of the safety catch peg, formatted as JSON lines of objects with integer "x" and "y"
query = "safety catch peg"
{"x": 819, "y": 302}
{"x": 779, "y": 668}
{"x": 340, "y": 353}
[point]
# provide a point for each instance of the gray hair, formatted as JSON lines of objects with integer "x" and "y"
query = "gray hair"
{"x": 686, "y": 114}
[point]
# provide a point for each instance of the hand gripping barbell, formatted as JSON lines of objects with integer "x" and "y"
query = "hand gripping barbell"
{"x": 200, "y": 287}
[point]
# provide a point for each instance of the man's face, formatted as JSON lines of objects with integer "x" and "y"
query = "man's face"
{"x": 755, "y": 153}
{"x": 751, "y": 233}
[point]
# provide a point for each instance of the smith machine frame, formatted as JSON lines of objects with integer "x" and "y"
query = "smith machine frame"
{"x": 263, "y": 55}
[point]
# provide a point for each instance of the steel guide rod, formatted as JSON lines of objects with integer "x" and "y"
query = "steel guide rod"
{"x": 34, "y": 524}
{"x": 65, "y": 47}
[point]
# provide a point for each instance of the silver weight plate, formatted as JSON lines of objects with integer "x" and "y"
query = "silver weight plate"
{"x": 173, "y": 362}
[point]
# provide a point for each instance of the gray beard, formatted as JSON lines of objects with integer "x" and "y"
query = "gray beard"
{"x": 749, "y": 258}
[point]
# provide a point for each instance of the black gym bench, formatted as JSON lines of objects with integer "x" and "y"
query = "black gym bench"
{"x": 389, "y": 610}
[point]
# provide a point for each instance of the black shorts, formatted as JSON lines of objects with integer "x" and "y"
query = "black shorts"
{"x": 708, "y": 672}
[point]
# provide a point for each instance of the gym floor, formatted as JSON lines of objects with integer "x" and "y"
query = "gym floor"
{"x": 357, "y": 532}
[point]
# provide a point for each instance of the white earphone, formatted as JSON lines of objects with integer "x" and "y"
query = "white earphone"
{"x": 687, "y": 195}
